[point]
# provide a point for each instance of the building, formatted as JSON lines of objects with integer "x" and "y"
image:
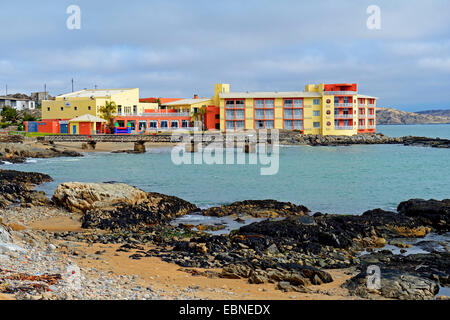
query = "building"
{"x": 37, "y": 97}
{"x": 17, "y": 102}
{"x": 326, "y": 109}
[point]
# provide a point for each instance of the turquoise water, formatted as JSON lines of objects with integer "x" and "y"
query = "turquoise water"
{"x": 348, "y": 179}
{"x": 428, "y": 130}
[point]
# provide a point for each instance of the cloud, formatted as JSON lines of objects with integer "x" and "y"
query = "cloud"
{"x": 183, "y": 47}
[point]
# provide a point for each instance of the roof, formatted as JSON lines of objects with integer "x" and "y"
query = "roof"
{"x": 97, "y": 93}
{"x": 366, "y": 97}
{"x": 162, "y": 100}
{"x": 15, "y": 99}
{"x": 187, "y": 101}
{"x": 269, "y": 94}
{"x": 87, "y": 118}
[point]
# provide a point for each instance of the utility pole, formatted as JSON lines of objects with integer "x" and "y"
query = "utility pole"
{"x": 45, "y": 91}
{"x": 72, "y": 84}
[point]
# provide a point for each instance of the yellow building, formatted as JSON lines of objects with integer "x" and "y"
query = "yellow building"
{"x": 326, "y": 109}
{"x": 75, "y": 104}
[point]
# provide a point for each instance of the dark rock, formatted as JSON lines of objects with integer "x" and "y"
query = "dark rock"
{"x": 258, "y": 208}
{"x": 431, "y": 212}
{"x": 156, "y": 209}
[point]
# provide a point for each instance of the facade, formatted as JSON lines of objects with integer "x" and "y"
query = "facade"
{"x": 17, "y": 103}
{"x": 325, "y": 109}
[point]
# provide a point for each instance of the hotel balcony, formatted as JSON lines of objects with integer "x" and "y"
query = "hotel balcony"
{"x": 362, "y": 127}
{"x": 371, "y": 116}
{"x": 371, "y": 127}
{"x": 343, "y": 116}
{"x": 339, "y": 93}
{"x": 371, "y": 105}
{"x": 343, "y": 105}
{"x": 157, "y": 114}
{"x": 343, "y": 127}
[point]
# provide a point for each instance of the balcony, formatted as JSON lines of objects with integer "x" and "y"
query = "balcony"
{"x": 371, "y": 105}
{"x": 343, "y": 116}
{"x": 157, "y": 114}
{"x": 371, "y": 116}
{"x": 339, "y": 92}
{"x": 370, "y": 127}
{"x": 343, "y": 105}
{"x": 361, "y": 127}
{"x": 343, "y": 127}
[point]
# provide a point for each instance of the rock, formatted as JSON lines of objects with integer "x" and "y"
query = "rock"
{"x": 415, "y": 276}
{"x": 15, "y": 187}
{"x": 153, "y": 209}
{"x": 19, "y": 152}
{"x": 81, "y": 197}
{"x": 431, "y": 212}
{"x": 258, "y": 208}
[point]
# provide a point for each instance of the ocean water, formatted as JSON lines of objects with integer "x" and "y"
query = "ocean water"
{"x": 347, "y": 179}
{"x": 429, "y": 130}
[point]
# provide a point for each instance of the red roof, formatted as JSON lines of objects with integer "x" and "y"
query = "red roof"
{"x": 162, "y": 100}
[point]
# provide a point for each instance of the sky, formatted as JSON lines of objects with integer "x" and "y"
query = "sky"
{"x": 178, "y": 48}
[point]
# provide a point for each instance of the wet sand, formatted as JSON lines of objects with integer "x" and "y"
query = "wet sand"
{"x": 103, "y": 146}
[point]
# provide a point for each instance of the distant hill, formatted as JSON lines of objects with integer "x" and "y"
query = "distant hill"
{"x": 442, "y": 113}
{"x": 395, "y": 116}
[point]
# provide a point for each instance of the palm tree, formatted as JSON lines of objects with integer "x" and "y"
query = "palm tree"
{"x": 108, "y": 112}
{"x": 199, "y": 114}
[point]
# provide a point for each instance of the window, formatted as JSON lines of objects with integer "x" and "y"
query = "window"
{"x": 75, "y": 108}
{"x": 336, "y": 100}
{"x": 127, "y": 110}
{"x": 234, "y": 114}
{"x": 185, "y": 123}
{"x": 89, "y": 107}
{"x": 264, "y": 113}
{"x": 316, "y": 124}
{"x": 48, "y": 108}
{"x": 119, "y": 109}
{"x": 174, "y": 123}
{"x": 293, "y": 114}
{"x": 142, "y": 125}
{"x": 153, "y": 124}
{"x": 316, "y": 102}
{"x": 62, "y": 108}
{"x": 316, "y": 113}
{"x": 131, "y": 124}
{"x": 164, "y": 124}
{"x": 134, "y": 109}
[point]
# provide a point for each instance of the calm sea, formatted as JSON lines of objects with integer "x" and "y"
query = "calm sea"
{"x": 348, "y": 179}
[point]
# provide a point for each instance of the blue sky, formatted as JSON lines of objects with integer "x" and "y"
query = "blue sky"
{"x": 178, "y": 48}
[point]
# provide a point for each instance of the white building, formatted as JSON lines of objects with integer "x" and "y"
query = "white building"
{"x": 17, "y": 103}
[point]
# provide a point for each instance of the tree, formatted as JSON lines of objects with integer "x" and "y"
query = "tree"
{"x": 108, "y": 112}
{"x": 28, "y": 117}
{"x": 199, "y": 115}
{"x": 9, "y": 114}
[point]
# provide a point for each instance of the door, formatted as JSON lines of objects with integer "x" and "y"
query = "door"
{"x": 74, "y": 129}
{"x": 32, "y": 127}
{"x": 64, "y": 128}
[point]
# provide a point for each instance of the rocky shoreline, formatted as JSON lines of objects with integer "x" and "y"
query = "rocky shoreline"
{"x": 14, "y": 150}
{"x": 292, "y": 249}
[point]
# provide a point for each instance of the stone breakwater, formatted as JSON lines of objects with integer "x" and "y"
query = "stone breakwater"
{"x": 294, "y": 251}
{"x": 288, "y": 137}
{"x": 293, "y": 138}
